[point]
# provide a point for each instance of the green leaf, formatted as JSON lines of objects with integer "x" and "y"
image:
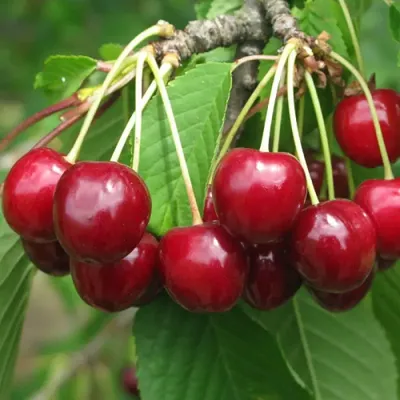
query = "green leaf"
{"x": 337, "y": 356}
{"x": 199, "y": 101}
{"x": 394, "y": 18}
{"x": 358, "y": 7}
{"x": 221, "y": 7}
{"x": 110, "y": 51}
{"x": 398, "y": 59}
{"x": 202, "y": 7}
{"x": 188, "y": 356}
{"x": 15, "y": 278}
{"x": 63, "y": 75}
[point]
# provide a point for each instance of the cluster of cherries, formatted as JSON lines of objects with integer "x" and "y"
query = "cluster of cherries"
{"x": 259, "y": 241}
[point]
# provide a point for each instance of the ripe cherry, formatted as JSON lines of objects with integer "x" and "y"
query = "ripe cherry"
{"x": 355, "y": 132}
{"x": 151, "y": 292}
{"x": 204, "y": 267}
{"x": 334, "y": 245}
{"x": 316, "y": 169}
{"x": 272, "y": 279}
{"x": 28, "y": 194}
{"x": 49, "y": 257}
{"x": 381, "y": 201}
{"x": 337, "y": 302}
{"x": 209, "y": 213}
{"x": 116, "y": 286}
{"x": 101, "y": 210}
{"x": 258, "y": 195}
{"x": 340, "y": 177}
{"x": 130, "y": 381}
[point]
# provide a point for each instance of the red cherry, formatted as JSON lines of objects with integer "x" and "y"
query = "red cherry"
{"x": 204, "y": 267}
{"x": 151, "y": 292}
{"x": 28, "y": 194}
{"x": 101, "y": 210}
{"x": 50, "y": 257}
{"x": 116, "y": 286}
{"x": 334, "y": 245}
{"x": 317, "y": 171}
{"x": 272, "y": 279}
{"x": 258, "y": 195}
{"x": 340, "y": 177}
{"x": 355, "y": 130}
{"x": 130, "y": 381}
{"x": 337, "y": 302}
{"x": 209, "y": 213}
{"x": 381, "y": 201}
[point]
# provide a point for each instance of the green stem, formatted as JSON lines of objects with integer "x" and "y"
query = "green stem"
{"x": 278, "y": 118}
{"x": 353, "y": 34}
{"x": 323, "y": 135}
{"x": 176, "y": 138}
{"x": 300, "y": 115}
{"x": 256, "y": 57}
{"x": 379, "y": 136}
{"x": 154, "y": 30}
{"x": 139, "y": 109}
{"x": 295, "y": 129}
{"x": 350, "y": 177}
{"x": 165, "y": 70}
{"x": 272, "y": 99}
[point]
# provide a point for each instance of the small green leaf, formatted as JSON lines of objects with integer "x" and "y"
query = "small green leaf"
{"x": 394, "y": 18}
{"x": 202, "y": 7}
{"x": 110, "y": 51}
{"x": 63, "y": 75}
{"x": 223, "y": 7}
{"x": 188, "y": 356}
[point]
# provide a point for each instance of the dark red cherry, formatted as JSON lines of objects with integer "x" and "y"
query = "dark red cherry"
{"x": 317, "y": 171}
{"x": 49, "y": 257}
{"x": 116, "y": 286}
{"x": 258, "y": 195}
{"x": 340, "y": 177}
{"x": 334, "y": 245}
{"x": 272, "y": 279}
{"x": 381, "y": 201}
{"x": 209, "y": 213}
{"x": 28, "y": 194}
{"x": 151, "y": 292}
{"x": 337, "y": 302}
{"x": 101, "y": 210}
{"x": 130, "y": 381}
{"x": 204, "y": 267}
{"x": 355, "y": 132}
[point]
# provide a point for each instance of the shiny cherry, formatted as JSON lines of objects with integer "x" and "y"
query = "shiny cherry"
{"x": 258, "y": 195}
{"x": 130, "y": 381}
{"x": 151, "y": 292}
{"x": 28, "y": 194}
{"x": 340, "y": 177}
{"x": 334, "y": 245}
{"x": 209, "y": 213}
{"x": 337, "y": 302}
{"x": 317, "y": 170}
{"x": 49, "y": 257}
{"x": 101, "y": 210}
{"x": 116, "y": 286}
{"x": 204, "y": 267}
{"x": 381, "y": 201}
{"x": 272, "y": 279}
{"x": 355, "y": 132}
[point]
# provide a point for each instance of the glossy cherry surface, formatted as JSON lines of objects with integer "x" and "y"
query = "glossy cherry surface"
{"x": 272, "y": 279}
{"x": 101, "y": 210}
{"x": 337, "y": 302}
{"x": 130, "y": 381}
{"x": 316, "y": 169}
{"x": 204, "y": 267}
{"x": 209, "y": 213}
{"x": 355, "y": 132}
{"x": 258, "y": 195}
{"x": 151, "y": 292}
{"x": 28, "y": 194}
{"x": 115, "y": 287}
{"x": 49, "y": 257}
{"x": 334, "y": 245}
{"x": 340, "y": 178}
{"x": 381, "y": 201}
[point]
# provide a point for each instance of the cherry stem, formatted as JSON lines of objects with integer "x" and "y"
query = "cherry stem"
{"x": 323, "y": 134}
{"x": 278, "y": 118}
{"x": 300, "y": 115}
{"x": 39, "y": 116}
{"x": 379, "y": 136}
{"x": 165, "y": 71}
{"x": 139, "y": 105}
{"x": 350, "y": 177}
{"x": 154, "y": 30}
{"x": 353, "y": 35}
{"x": 295, "y": 129}
{"x": 272, "y": 98}
{"x": 257, "y": 57}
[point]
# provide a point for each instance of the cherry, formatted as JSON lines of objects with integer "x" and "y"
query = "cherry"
{"x": 116, "y": 286}
{"x": 130, "y": 381}
{"x": 337, "y": 302}
{"x": 381, "y": 201}
{"x": 272, "y": 279}
{"x": 28, "y": 194}
{"x": 101, "y": 210}
{"x": 334, "y": 245}
{"x": 340, "y": 177}
{"x": 203, "y": 266}
{"x": 209, "y": 213}
{"x": 150, "y": 293}
{"x": 355, "y": 132}
{"x": 317, "y": 171}
{"x": 50, "y": 257}
{"x": 258, "y": 195}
